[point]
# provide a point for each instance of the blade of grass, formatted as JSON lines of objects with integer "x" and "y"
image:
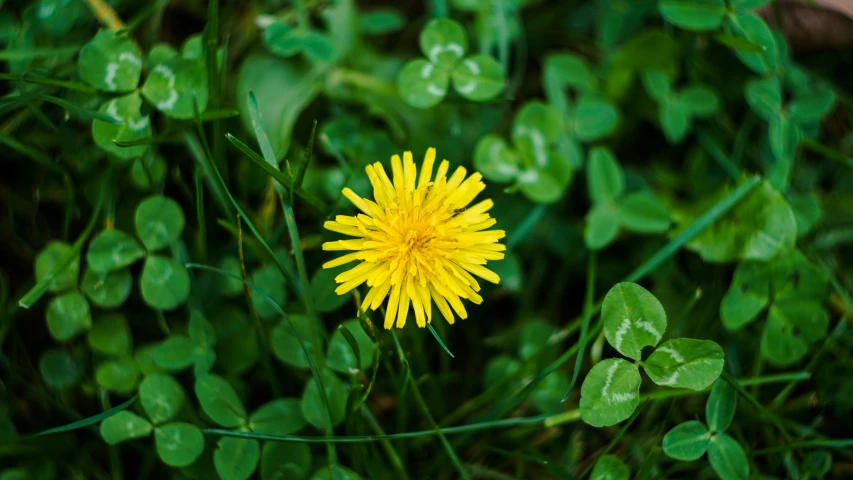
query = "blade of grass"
{"x": 274, "y": 172}
{"x": 214, "y": 86}
{"x": 755, "y": 403}
{"x": 144, "y": 141}
{"x": 34, "y": 294}
{"x": 296, "y": 244}
{"x": 438, "y": 339}
{"x": 827, "y": 152}
{"x": 592, "y": 263}
{"x": 90, "y": 420}
{"x": 396, "y": 462}
{"x": 419, "y": 399}
{"x": 30, "y": 78}
{"x": 716, "y": 152}
{"x": 220, "y": 114}
{"x": 80, "y": 110}
{"x": 525, "y": 226}
{"x": 31, "y": 53}
{"x": 306, "y": 159}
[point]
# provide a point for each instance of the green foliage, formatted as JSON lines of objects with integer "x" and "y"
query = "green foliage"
{"x": 671, "y": 177}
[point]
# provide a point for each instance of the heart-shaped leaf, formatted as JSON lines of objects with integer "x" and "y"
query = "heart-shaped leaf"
{"x": 696, "y": 15}
{"x": 161, "y": 396}
{"x": 49, "y": 259}
{"x": 165, "y": 283}
{"x": 278, "y": 417}
{"x": 633, "y": 318}
{"x": 173, "y": 85}
{"x": 422, "y": 84}
{"x": 133, "y": 126}
{"x": 123, "y": 426}
{"x": 236, "y": 458}
{"x": 478, "y": 78}
{"x": 685, "y": 363}
{"x": 110, "y": 335}
{"x": 720, "y": 408}
{"x": 610, "y": 393}
{"x": 68, "y": 315}
{"x": 159, "y": 222}
{"x": 107, "y": 290}
{"x": 687, "y": 441}
{"x": 220, "y": 401}
{"x": 443, "y": 41}
{"x": 110, "y": 62}
{"x": 178, "y": 444}
{"x": 727, "y": 458}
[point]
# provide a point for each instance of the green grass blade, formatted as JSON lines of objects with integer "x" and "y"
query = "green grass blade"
{"x": 31, "y": 53}
{"x": 525, "y": 227}
{"x": 438, "y": 339}
{"x": 586, "y": 318}
{"x": 716, "y": 152}
{"x": 80, "y": 110}
{"x": 30, "y": 78}
{"x": 706, "y": 219}
{"x": 91, "y": 420}
{"x": 274, "y": 172}
{"x": 300, "y": 175}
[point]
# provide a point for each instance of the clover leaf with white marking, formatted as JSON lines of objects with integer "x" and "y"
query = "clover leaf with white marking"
{"x": 633, "y": 319}
{"x": 423, "y": 83}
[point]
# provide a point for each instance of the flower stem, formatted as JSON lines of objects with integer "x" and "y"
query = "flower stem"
{"x": 463, "y": 472}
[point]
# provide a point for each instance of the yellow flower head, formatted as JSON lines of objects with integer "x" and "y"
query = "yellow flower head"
{"x": 417, "y": 244}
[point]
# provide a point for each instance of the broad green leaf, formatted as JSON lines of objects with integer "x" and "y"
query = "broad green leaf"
{"x": 161, "y": 53}
{"x": 236, "y": 458}
{"x": 278, "y": 417}
{"x": 540, "y": 186}
{"x": 602, "y": 226}
{"x": 381, "y": 21}
{"x": 290, "y": 347}
{"x": 107, "y": 290}
{"x": 422, "y": 84}
{"x": 753, "y": 29}
{"x": 610, "y": 467}
{"x": 534, "y": 334}
{"x": 757, "y": 228}
{"x": 686, "y": 441}
{"x": 111, "y": 250}
{"x": 178, "y": 444}
{"x": 478, "y": 78}
{"x": 813, "y": 106}
{"x": 335, "y": 472}
{"x": 57, "y": 18}
{"x": 220, "y": 401}
{"x": 269, "y": 280}
{"x": 699, "y": 100}
{"x": 201, "y": 331}
{"x": 594, "y": 118}
{"x": 657, "y": 84}
{"x": 570, "y": 70}
{"x": 547, "y": 397}
{"x": 68, "y": 315}
{"x": 727, "y": 458}
{"x": 795, "y": 278}
{"x": 123, "y": 426}
{"x": 747, "y": 296}
{"x": 161, "y": 396}
{"x": 720, "y": 408}
{"x": 495, "y": 160}
{"x": 784, "y": 136}
{"x": 323, "y": 290}
{"x": 173, "y": 85}
{"x": 165, "y": 283}
{"x": 134, "y": 126}
{"x": 817, "y": 463}
{"x": 313, "y": 407}
{"x": 764, "y": 96}
{"x": 443, "y": 42}
{"x": 282, "y": 40}
{"x": 610, "y": 392}
{"x": 642, "y": 212}
{"x": 144, "y": 357}
{"x": 148, "y": 171}
{"x": 685, "y": 363}
{"x": 807, "y": 211}
{"x": 340, "y": 356}
{"x": 110, "y": 62}
{"x": 633, "y": 318}
{"x": 110, "y": 335}
{"x": 674, "y": 120}
{"x": 59, "y": 369}
{"x": 737, "y": 43}
{"x": 119, "y": 375}
{"x": 535, "y": 123}
{"x": 230, "y": 286}
{"x": 696, "y": 15}
{"x": 285, "y": 461}
{"x": 159, "y": 222}
{"x": 500, "y": 367}
{"x": 175, "y": 353}
{"x": 604, "y": 176}
{"x": 791, "y": 326}
{"x": 318, "y": 46}
{"x": 51, "y": 257}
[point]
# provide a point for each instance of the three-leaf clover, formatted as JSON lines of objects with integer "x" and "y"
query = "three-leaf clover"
{"x": 679, "y": 108}
{"x": 612, "y": 208}
{"x": 537, "y": 168}
{"x": 159, "y": 220}
{"x": 790, "y": 292}
{"x": 180, "y": 351}
{"x": 690, "y": 440}
{"x": 285, "y": 40}
{"x": 112, "y": 63}
{"x": 423, "y": 83}
{"x": 786, "y": 120}
{"x": 633, "y": 319}
{"x": 178, "y": 443}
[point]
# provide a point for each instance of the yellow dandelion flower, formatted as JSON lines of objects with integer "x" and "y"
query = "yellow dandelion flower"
{"x": 417, "y": 244}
